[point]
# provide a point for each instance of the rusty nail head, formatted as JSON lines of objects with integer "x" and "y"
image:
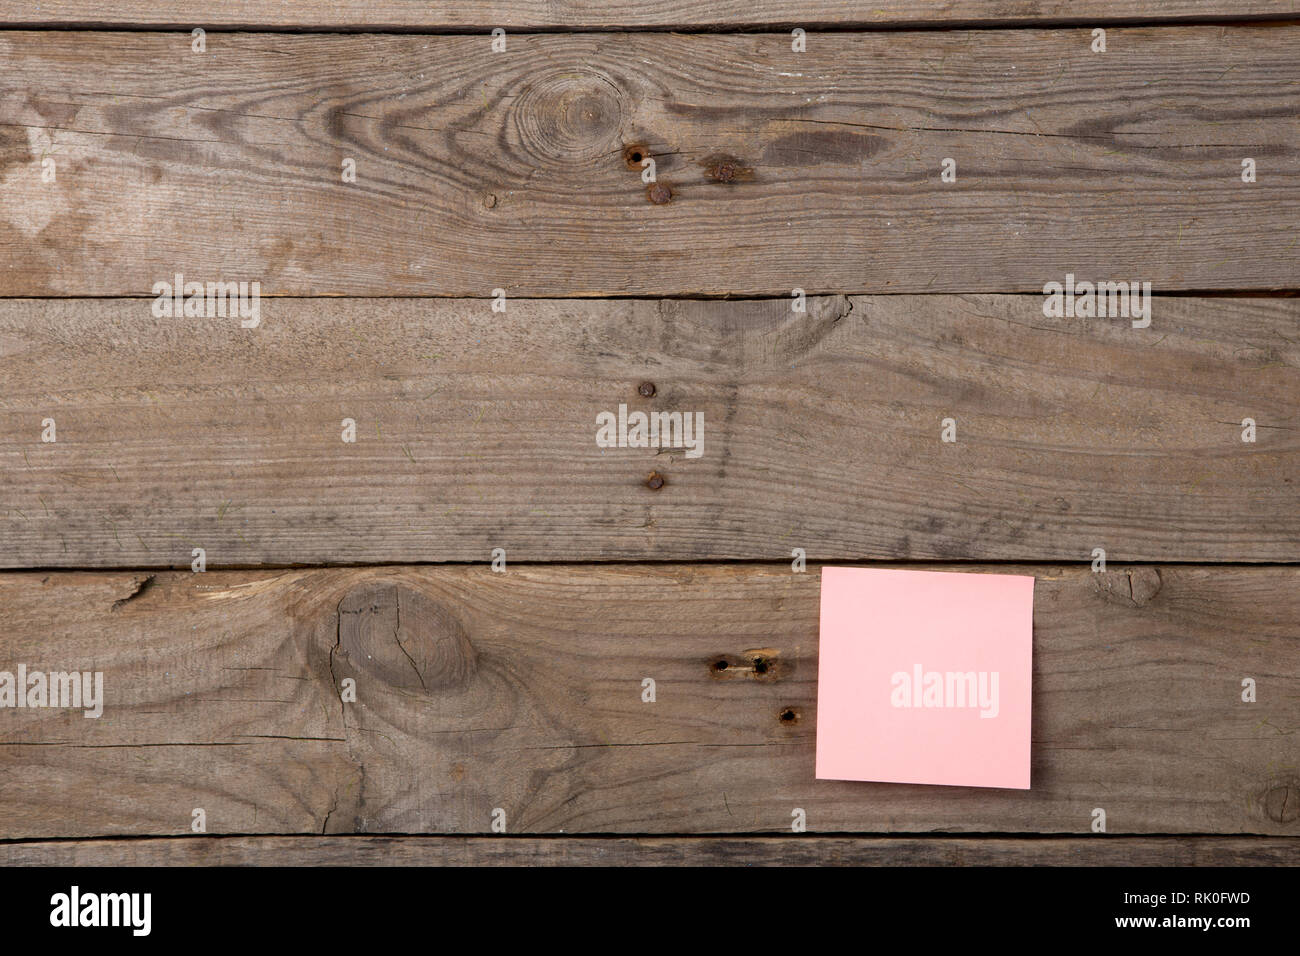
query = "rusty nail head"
{"x": 646, "y": 389}
{"x": 659, "y": 193}
{"x": 655, "y": 481}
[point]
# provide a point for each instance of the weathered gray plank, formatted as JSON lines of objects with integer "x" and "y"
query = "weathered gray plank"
{"x": 522, "y": 691}
{"x": 574, "y": 14}
{"x": 659, "y": 851}
{"x": 818, "y": 170}
{"x": 477, "y": 430}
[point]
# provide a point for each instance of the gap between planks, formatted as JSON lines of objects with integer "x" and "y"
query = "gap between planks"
{"x": 733, "y": 16}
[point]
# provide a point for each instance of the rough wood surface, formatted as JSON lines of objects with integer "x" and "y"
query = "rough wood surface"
{"x": 579, "y": 14}
{"x": 659, "y": 851}
{"x": 775, "y": 170}
{"x": 477, "y": 430}
{"x": 523, "y": 691}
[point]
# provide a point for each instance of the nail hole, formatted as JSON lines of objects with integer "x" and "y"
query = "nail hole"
{"x": 789, "y": 716}
{"x": 760, "y": 666}
{"x": 720, "y": 666}
{"x": 633, "y": 154}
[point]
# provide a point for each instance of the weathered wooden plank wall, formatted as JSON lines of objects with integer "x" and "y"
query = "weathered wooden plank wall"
{"x": 476, "y": 430}
{"x": 522, "y": 690}
{"x": 819, "y": 170}
{"x": 479, "y": 171}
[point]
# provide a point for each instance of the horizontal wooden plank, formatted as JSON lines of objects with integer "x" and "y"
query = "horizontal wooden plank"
{"x": 522, "y": 692}
{"x": 477, "y": 430}
{"x": 659, "y": 851}
{"x": 578, "y": 14}
{"x": 775, "y": 170}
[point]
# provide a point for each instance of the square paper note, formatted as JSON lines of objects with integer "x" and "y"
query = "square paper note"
{"x": 924, "y": 677}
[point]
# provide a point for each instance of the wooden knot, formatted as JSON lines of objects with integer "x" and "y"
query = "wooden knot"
{"x": 1134, "y": 587}
{"x": 1282, "y": 803}
{"x": 399, "y": 636}
{"x": 723, "y": 168}
{"x": 569, "y": 118}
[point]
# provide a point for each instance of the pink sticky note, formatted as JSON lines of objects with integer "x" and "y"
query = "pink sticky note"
{"x": 925, "y": 677}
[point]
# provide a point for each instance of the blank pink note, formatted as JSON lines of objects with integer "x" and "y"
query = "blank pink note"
{"x": 925, "y": 677}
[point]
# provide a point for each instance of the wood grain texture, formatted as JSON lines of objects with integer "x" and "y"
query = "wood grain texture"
{"x": 579, "y": 14}
{"x": 818, "y": 170}
{"x": 477, "y": 431}
{"x": 522, "y": 691}
{"x": 659, "y": 851}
